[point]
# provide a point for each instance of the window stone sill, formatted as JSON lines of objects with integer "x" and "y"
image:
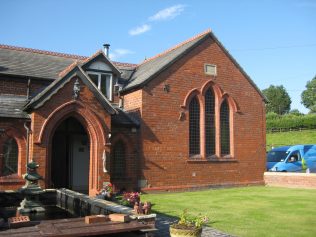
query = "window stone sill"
{"x": 211, "y": 160}
{"x": 14, "y": 178}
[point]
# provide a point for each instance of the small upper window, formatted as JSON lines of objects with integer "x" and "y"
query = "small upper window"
{"x": 103, "y": 81}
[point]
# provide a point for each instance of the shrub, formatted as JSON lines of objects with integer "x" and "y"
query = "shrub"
{"x": 291, "y": 121}
{"x": 128, "y": 198}
{"x": 187, "y": 221}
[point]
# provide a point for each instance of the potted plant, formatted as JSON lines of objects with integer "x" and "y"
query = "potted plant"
{"x": 106, "y": 192}
{"x": 188, "y": 226}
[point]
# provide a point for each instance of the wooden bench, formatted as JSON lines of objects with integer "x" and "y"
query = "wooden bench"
{"x": 76, "y": 227}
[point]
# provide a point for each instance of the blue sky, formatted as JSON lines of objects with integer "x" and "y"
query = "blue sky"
{"x": 273, "y": 40}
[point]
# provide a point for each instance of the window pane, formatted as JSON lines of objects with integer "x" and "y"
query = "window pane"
{"x": 95, "y": 79}
{"x": 108, "y": 86}
{"x": 225, "y": 130}
{"x": 10, "y": 157}
{"x": 118, "y": 169}
{"x": 194, "y": 130}
{"x": 104, "y": 85}
{"x": 209, "y": 123}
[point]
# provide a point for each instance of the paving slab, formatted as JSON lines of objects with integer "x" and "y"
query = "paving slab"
{"x": 163, "y": 223}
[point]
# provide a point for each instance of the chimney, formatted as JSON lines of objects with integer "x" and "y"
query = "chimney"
{"x": 106, "y": 49}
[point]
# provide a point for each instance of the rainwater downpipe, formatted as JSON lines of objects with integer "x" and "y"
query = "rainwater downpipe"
{"x": 27, "y": 142}
{"x": 28, "y": 88}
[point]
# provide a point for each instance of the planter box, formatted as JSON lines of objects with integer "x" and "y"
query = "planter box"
{"x": 175, "y": 232}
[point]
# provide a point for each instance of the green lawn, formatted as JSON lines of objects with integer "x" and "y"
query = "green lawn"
{"x": 248, "y": 211}
{"x": 291, "y": 138}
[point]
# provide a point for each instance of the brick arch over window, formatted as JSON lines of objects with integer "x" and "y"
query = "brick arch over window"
{"x": 231, "y": 102}
{"x": 210, "y": 98}
{"x": 194, "y": 92}
{"x": 94, "y": 128}
{"x": 216, "y": 89}
{"x": 129, "y": 144}
{"x": 18, "y": 141}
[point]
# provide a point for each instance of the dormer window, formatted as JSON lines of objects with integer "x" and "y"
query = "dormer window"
{"x": 103, "y": 82}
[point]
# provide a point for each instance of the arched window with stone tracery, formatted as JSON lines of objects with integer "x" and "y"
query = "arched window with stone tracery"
{"x": 10, "y": 153}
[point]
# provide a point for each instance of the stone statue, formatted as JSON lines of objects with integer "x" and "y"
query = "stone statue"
{"x": 31, "y": 190}
{"x": 31, "y": 176}
{"x": 147, "y": 208}
{"x": 76, "y": 89}
{"x": 136, "y": 207}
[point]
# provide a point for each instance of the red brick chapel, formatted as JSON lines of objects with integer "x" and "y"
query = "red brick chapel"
{"x": 189, "y": 117}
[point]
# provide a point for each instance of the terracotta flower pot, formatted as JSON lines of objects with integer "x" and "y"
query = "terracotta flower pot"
{"x": 185, "y": 232}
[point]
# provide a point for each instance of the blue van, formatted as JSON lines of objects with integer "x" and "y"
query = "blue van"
{"x": 289, "y": 158}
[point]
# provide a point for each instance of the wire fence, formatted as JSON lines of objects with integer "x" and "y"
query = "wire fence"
{"x": 271, "y": 146}
{"x": 275, "y": 130}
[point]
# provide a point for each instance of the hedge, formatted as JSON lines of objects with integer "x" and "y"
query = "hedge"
{"x": 290, "y": 121}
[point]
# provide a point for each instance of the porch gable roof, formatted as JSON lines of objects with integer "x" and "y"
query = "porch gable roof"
{"x": 55, "y": 86}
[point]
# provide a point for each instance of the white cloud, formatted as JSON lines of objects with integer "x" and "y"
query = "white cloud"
{"x": 118, "y": 53}
{"x": 168, "y": 13}
{"x": 140, "y": 29}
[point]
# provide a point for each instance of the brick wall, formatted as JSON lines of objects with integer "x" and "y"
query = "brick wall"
{"x": 162, "y": 156}
{"x": 165, "y": 139}
{"x": 18, "y": 85}
{"x": 133, "y": 101}
{"x": 13, "y": 86}
{"x": 36, "y": 86}
{"x": 290, "y": 180}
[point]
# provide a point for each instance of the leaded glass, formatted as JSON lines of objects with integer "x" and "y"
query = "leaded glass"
{"x": 194, "y": 131}
{"x": 10, "y": 157}
{"x": 225, "y": 129}
{"x": 209, "y": 123}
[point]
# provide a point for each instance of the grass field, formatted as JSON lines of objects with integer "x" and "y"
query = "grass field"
{"x": 291, "y": 138}
{"x": 248, "y": 211}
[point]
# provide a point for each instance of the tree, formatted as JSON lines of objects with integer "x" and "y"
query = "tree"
{"x": 308, "y": 96}
{"x": 279, "y": 99}
{"x": 296, "y": 112}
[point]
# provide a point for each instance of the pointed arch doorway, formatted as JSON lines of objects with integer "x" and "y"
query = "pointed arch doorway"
{"x": 70, "y": 156}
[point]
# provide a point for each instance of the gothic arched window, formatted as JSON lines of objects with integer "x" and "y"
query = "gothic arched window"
{"x": 10, "y": 152}
{"x": 209, "y": 123}
{"x": 119, "y": 160}
{"x": 194, "y": 124}
{"x": 225, "y": 129}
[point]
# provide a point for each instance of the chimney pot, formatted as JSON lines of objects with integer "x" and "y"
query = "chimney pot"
{"x": 106, "y": 49}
